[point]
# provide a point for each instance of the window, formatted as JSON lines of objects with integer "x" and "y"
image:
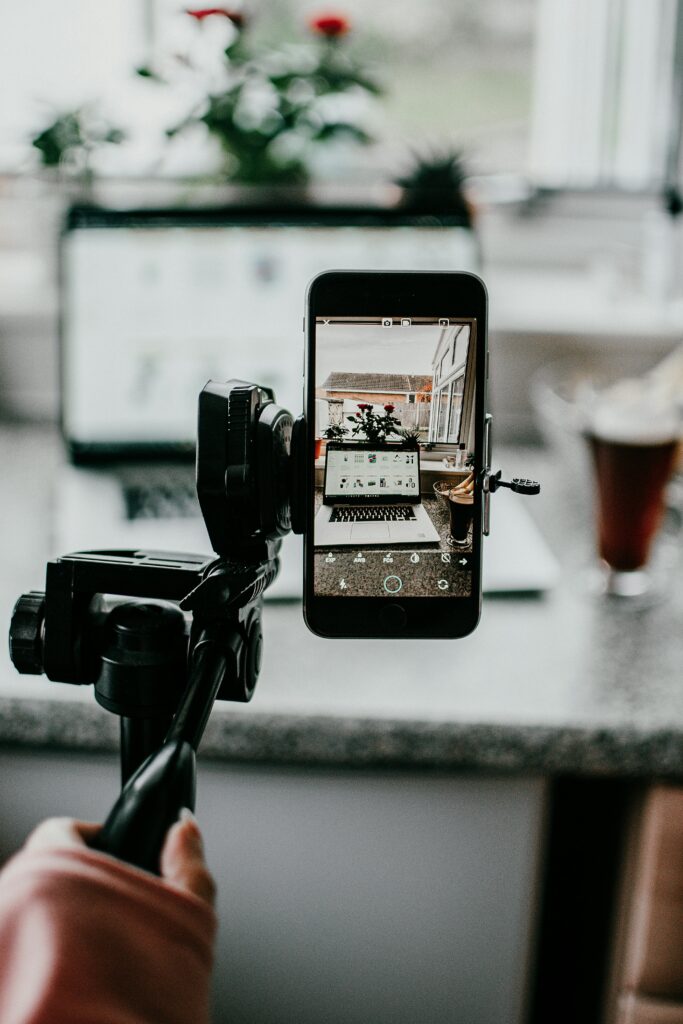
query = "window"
{"x": 604, "y": 107}
{"x": 576, "y": 94}
{"x": 457, "y": 388}
{"x": 443, "y": 397}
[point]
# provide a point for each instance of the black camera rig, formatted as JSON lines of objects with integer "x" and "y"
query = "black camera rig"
{"x": 162, "y": 635}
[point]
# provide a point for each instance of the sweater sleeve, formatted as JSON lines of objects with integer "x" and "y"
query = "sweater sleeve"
{"x": 86, "y": 939}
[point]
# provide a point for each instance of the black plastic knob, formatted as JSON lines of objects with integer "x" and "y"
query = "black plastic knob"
{"x": 522, "y": 485}
{"x": 26, "y": 633}
{"x": 143, "y": 665}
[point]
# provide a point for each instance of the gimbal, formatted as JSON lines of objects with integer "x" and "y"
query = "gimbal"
{"x": 162, "y": 635}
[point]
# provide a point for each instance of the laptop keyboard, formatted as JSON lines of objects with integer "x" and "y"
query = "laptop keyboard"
{"x": 373, "y": 514}
{"x": 175, "y": 500}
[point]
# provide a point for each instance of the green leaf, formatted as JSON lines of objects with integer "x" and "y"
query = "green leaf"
{"x": 334, "y": 129}
{"x": 115, "y": 136}
{"x": 145, "y": 71}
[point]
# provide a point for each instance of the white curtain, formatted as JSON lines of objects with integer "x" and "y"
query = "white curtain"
{"x": 603, "y": 99}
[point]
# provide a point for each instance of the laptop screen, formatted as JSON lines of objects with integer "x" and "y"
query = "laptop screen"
{"x": 154, "y": 306}
{"x": 362, "y": 475}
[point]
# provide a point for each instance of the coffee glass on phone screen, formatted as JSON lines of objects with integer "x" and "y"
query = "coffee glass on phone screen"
{"x": 633, "y": 458}
{"x": 459, "y": 499}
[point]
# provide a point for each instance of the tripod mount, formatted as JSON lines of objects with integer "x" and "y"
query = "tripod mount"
{"x": 158, "y": 665}
{"x": 162, "y": 635}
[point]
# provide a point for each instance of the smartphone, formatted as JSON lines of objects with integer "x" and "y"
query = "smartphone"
{"x": 395, "y": 404}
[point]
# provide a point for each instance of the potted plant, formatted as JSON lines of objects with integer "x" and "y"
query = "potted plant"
{"x": 410, "y": 437}
{"x": 270, "y": 109}
{"x": 66, "y": 146}
{"x": 436, "y": 184}
{"x": 375, "y": 428}
{"x": 334, "y": 432}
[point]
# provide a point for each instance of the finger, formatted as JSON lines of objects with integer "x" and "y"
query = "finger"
{"x": 182, "y": 860}
{"x": 61, "y": 832}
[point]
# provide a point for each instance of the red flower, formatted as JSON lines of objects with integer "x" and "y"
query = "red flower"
{"x": 206, "y": 12}
{"x": 330, "y": 25}
{"x": 388, "y": 408}
{"x": 363, "y": 406}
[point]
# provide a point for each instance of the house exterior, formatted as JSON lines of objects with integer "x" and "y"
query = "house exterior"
{"x": 378, "y": 388}
{"x": 409, "y": 393}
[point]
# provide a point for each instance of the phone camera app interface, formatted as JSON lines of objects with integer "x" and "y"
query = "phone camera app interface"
{"x": 394, "y": 482}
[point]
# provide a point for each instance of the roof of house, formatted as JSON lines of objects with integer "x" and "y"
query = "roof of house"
{"x": 402, "y": 383}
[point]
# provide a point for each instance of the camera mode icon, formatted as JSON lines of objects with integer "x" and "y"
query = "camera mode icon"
{"x": 406, "y": 322}
{"x": 387, "y": 321}
{"x": 443, "y": 321}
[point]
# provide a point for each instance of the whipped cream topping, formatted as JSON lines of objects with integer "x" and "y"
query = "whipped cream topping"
{"x": 631, "y": 412}
{"x": 644, "y": 410}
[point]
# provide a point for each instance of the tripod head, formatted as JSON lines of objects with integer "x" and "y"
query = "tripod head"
{"x": 162, "y": 635}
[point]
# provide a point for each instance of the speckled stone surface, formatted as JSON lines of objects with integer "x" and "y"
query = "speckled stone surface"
{"x": 558, "y": 683}
{"x": 364, "y": 571}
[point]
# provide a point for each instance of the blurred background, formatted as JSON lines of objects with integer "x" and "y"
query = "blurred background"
{"x": 565, "y": 126}
{"x": 451, "y": 835}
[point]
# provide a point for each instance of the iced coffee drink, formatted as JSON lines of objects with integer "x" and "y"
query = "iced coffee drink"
{"x": 460, "y": 506}
{"x": 633, "y": 439}
{"x": 460, "y": 501}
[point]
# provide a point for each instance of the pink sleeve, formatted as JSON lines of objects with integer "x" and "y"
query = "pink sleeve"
{"x": 85, "y": 939}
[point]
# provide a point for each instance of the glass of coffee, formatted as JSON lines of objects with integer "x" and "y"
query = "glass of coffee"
{"x": 460, "y": 512}
{"x": 459, "y": 499}
{"x": 633, "y": 440}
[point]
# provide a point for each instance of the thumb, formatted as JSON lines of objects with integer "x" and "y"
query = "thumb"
{"x": 182, "y": 859}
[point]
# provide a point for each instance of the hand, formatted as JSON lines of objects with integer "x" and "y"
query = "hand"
{"x": 182, "y": 857}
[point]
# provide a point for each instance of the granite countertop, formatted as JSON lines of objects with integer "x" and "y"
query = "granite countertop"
{"x": 370, "y": 566}
{"x": 556, "y": 683}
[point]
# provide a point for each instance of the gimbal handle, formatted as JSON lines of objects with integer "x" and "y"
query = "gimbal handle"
{"x": 151, "y": 800}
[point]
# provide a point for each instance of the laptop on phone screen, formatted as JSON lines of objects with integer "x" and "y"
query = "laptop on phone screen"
{"x": 371, "y": 495}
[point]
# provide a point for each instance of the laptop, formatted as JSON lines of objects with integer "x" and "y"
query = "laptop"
{"x": 154, "y": 302}
{"x": 372, "y": 496}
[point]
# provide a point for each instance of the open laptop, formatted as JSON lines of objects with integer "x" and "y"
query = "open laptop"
{"x": 371, "y": 495}
{"x": 154, "y": 302}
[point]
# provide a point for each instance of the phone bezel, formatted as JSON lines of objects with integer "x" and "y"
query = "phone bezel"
{"x": 374, "y": 293}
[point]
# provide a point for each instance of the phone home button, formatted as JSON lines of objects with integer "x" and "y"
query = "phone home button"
{"x": 393, "y": 617}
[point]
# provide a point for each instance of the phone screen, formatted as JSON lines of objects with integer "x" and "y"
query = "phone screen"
{"x": 395, "y": 410}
